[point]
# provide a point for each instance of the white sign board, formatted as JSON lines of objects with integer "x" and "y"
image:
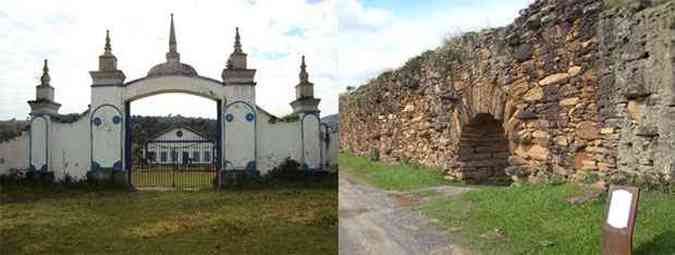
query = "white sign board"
{"x": 619, "y": 209}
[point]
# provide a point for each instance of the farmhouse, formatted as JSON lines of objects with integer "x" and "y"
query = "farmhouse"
{"x": 180, "y": 145}
{"x": 99, "y": 139}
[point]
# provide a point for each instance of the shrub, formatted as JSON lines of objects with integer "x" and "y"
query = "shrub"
{"x": 238, "y": 178}
{"x": 289, "y": 170}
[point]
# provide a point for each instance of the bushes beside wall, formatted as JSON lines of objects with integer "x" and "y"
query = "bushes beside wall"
{"x": 17, "y": 178}
{"x": 288, "y": 172}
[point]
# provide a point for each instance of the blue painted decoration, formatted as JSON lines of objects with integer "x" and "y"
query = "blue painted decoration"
{"x": 116, "y": 120}
{"x": 117, "y": 166}
{"x": 229, "y": 117}
{"x": 250, "y": 117}
{"x": 251, "y": 169}
{"x": 95, "y": 166}
{"x": 97, "y": 121}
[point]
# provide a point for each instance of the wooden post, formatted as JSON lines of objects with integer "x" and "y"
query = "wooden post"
{"x": 621, "y": 211}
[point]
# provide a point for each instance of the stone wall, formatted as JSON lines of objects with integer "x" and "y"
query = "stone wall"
{"x": 571, "y": 88}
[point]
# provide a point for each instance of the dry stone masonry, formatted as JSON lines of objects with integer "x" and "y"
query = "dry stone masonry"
{"x": 580, "y": 89}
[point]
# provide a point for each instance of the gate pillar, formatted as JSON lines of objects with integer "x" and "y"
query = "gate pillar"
{"x": 239, "y": 113}
{"x": 107, "y": 119}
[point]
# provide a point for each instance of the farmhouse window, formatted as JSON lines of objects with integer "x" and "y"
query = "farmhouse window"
{"x": 163, "y": 156}
{"x": 195, "y": 156}
{"x": 174, "y": 156}
{"x": 186, "y": 157}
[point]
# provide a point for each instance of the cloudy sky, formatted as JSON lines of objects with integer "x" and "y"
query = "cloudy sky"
{"x": 346, "y": 42}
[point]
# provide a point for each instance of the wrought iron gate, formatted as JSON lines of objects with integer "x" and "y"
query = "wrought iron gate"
{"x": 180, "y": 164}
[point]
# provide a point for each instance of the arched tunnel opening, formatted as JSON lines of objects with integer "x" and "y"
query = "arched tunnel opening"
{"x": 483, "y": 150}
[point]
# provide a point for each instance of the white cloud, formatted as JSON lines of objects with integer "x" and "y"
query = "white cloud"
{"x": 71, "y": 35}
{"x": 392, "y": 40}
{"x": 345, "y": 44}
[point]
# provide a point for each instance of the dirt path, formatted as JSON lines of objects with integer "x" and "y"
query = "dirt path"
{"x": 371, "y": 221}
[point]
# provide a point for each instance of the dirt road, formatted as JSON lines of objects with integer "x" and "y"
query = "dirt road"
{"x": 372, "y": 222}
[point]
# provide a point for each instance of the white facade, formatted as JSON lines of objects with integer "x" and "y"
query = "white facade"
{"x": 251, "y": 138}
{"x": 177, "y": 146}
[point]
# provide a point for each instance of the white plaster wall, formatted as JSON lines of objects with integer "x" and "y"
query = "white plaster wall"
{"x": 111, "y": 95}
{"x": 311, "y": 143}
{"x": 38, "y": 141}
{"x": 244, "y": 93}
{"x": 69, "y": 148}
{"x": 333, "y": 149}
{"x": 323, "y": 132}
{"x": 329, "y": 147}
{"x": 14, "y": 153}
{"x": 45, "y": 92}
{"x": 276, "y": 141}
{"x": 107, "y": 137}
{"x": 239, "y": 135}
{"x": 174, "y": 84}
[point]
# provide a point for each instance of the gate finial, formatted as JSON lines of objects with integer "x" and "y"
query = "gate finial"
{"x": 45, "y": 75}
{"x": 108, "y": 48}
{"x": 304, "y": 76}
{"x": 173, "y": 52}
{"x": 237, "y": 41}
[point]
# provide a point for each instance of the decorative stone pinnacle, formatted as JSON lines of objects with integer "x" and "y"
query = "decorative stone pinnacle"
{"x": 108, "y": 49}
{"x": 45, "y": 75}
{"x": 173, "y": 52}
{"x": 237, "y": 42}
{"x": 304, "y": 76}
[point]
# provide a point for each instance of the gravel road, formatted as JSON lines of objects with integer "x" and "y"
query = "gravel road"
{"x": 372, "y": 222}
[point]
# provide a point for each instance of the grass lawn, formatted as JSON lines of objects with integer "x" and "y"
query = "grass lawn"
{"x": 536, "y": 219}
{"x": 399, "y": 176}
{"x": 281, "y": 219}
{"x": 531, "y": 219}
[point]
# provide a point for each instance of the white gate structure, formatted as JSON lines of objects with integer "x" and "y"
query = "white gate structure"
{"x": 98, "y": 140}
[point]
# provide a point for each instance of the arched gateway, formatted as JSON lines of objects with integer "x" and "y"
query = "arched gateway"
{"x": 249, "y": 139}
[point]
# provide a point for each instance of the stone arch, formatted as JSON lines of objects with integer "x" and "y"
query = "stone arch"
{"x": 483, "y": 99}
{"x": 198, "y": 86}
{"x": 483, "y": 149}
{"x": 192, "y": 85}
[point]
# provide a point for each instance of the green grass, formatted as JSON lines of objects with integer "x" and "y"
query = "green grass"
{"x": 280, "y": 219}
{"x": 391, "y": 176}
{"x": 531, "y": 219}
{"x": 538, "y": 220}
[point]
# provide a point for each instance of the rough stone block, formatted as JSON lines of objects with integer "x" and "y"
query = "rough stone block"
{"x": 554, "y": 79}
{"x": 569, "y": 102}
{"x": 587, "y": 130}
{"x": 534, "y": 94}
